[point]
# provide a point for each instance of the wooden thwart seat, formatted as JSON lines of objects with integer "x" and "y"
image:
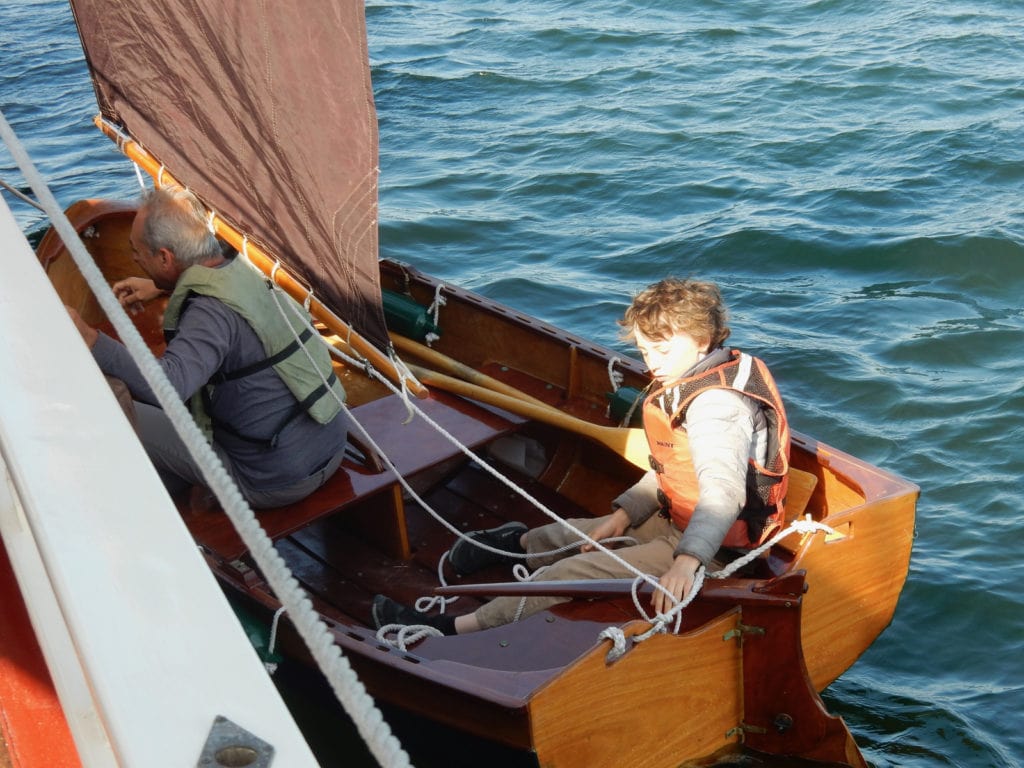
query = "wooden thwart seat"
{"x": 411, "y": 447}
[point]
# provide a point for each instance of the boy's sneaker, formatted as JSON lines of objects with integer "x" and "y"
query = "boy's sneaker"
{"x": 467, "y": 558}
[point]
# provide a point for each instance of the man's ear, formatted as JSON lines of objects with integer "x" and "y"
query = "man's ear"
{"x": 167, "y": 261}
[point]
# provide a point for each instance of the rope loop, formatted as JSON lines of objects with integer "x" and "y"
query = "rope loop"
{"x": 404, "y": 377}
{"x": 615, "y": 377}
{"x": 427, "y": 602}
{"x": 618, "y": 638}
{"x": 435, "y": 310}
{"x": 406, "y": 634}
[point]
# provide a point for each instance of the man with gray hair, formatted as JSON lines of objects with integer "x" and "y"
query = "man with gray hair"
{"x": 253, "y": 370}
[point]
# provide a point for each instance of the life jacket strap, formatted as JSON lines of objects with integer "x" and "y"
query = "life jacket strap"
{"x": 294, "y": 412}
{"x": 220, "y": 377}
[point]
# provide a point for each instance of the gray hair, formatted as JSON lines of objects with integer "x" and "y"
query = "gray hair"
{"x": 176, "y": 220}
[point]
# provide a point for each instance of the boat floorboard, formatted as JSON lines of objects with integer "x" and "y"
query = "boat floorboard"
{"x": 335, "y": 564}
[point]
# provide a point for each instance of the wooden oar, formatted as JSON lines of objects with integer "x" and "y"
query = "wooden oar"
{"x": 441, "y": 362}
{"x": 630, "y": 443}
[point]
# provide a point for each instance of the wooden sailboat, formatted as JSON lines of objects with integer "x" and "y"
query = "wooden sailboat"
{"x": 529, "y": 399}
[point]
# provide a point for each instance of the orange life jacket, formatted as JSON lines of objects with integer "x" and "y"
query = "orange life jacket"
{"x": 664, "y": 412}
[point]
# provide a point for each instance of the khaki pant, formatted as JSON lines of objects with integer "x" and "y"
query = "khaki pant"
{"x": 179, "y": 471}
{"x": 653, "y": 554}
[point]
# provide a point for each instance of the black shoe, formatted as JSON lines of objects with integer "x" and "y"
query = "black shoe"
{"x": 386, "y": 611}
{"x": 467, "y": 558}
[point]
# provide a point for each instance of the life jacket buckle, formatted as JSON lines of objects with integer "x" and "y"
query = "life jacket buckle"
{"x": 666, "y": 504}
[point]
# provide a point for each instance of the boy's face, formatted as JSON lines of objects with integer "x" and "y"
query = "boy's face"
{"x": 668, "y": 359}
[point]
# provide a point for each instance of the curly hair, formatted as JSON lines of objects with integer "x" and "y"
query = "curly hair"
{"x": 673, "y": 304}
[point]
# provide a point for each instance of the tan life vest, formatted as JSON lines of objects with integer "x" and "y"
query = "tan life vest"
{"x": 289, "y": 341}
{"x": 664, "y": 412}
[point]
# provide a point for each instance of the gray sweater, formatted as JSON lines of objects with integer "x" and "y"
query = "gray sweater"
{"x": 212, "y": 337}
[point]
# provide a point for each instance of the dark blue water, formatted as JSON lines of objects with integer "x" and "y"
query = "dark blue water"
{"x": 850, "y": 172}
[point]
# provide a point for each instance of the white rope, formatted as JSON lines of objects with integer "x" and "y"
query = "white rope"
{"x": 615, "y": 377}
{"x": 804, "y": 527}
{"x": 404, "y": 376}
{"x": 522, "y": 574}
{"x": 582, "y": 537}
{"x": 406, "y": 634}
{"x": 427, "y": 602}
{"x": 272, "y": 642}
{"x": 311, "y": 628}
{"x": 661, "y": 621}
{"x": 435, "y": 309}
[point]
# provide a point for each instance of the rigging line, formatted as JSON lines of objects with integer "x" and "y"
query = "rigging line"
{"x": 310, "y": 626}
{"x": 497, "y": 475}
{"x": 805, "y": 527}
{"x": 659, "y": 622}
{"x": 21, "y": 196}
{"x": 640, "y": 575}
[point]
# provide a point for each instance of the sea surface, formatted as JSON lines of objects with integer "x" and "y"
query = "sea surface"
{"x": 851, "y": 172}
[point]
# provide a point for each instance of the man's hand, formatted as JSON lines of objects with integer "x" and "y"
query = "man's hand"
{"x": 134, "y": 292}
{"x": 611, "y": 526}
{"x": 678, "y": 580}
{"x": 89, "y": 334}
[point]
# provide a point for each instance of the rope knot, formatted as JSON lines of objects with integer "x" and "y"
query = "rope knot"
{"x": 406, "y": 634}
